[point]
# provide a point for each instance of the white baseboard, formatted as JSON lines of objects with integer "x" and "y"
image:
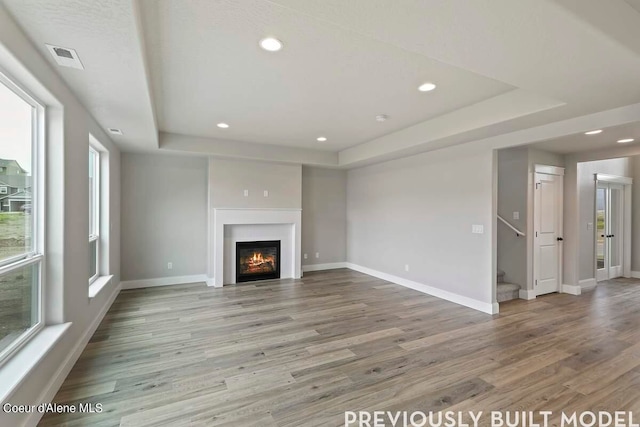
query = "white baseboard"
{"x": 211, "y": 282}
{"x": 485, "y": 307}
{"x": 164, "y": 281}
{"x": 319, "y": 267}
{"x": 571, "y": 289}
{"x": 527, "y": 294}
{"x": 586, "y": 284}
{"x": 635, "y": 274}
{"x": 60, "y": 375}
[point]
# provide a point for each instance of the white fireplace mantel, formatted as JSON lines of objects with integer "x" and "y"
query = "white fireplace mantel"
{"x": 221, "y": 218}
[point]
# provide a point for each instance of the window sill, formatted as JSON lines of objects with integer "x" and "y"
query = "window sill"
{"x": 18, "y": 367}
{"x": 98, "y": 285}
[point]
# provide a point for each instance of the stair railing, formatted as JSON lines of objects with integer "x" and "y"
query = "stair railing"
{"x": 518, "y": 232}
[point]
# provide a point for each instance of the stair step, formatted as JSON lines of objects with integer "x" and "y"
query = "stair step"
{"x": 508, "y": 291}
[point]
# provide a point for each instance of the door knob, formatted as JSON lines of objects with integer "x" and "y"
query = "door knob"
{"x": 559, "y": 239}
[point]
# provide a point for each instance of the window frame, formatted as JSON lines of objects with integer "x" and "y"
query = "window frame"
{"x": 35, "y": 255}
{"x": 94, "y": 210}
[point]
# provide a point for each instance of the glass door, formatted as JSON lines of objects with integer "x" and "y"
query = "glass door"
{"x": 609, "y": 216}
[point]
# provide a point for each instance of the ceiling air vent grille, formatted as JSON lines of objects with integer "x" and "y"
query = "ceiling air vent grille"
{"x": 65, "y": 57}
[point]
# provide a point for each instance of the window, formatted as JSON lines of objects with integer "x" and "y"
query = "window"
{"x": 94, "y": 214}
{"x": 20, "y": 229}
{"x": 3, "y": 190}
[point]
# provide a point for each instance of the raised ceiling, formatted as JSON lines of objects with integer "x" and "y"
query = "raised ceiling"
{"x": 167, "y": 71}
{"x": 327, "y": 81}
{"x": 606, "y": 140}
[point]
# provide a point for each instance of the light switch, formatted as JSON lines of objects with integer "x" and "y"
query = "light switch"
{"x": 589, "y": 226}
{"x": 516, "y": 215}
{"x": 477, "y": 229}
{"x": 306, "y": 256}
{"x": 246, "y": 193}
{"x": 266, "y": 193}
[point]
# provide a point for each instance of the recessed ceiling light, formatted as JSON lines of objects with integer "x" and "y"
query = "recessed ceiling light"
{"x": 426, "y": 87}
{"x": 624, "y": 141}
{"x": 321, "y": 139}
{"x": 593, "y": 132}
{"x": 115, "y": 131}
{"x": 270, "y": 44}
{"x": 222, "y": 125}
{"x": 381, "y": 118}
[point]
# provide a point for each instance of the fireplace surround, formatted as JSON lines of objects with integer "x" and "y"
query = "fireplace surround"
{"x": 231, "y": 225}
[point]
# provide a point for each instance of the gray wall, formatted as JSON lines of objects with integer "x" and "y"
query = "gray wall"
{"x": 516, "y": 167}
{"x": 229, "y": 178}
{"x": 635, "y": 214}
{"x": 419, "y": 211}
{"x": 67, "y": 224}
{"x": 512, "y": 197}
{"x": 324, "y": 219}
{"x": 165, "y": 209}
{"x": 586, "y": 206}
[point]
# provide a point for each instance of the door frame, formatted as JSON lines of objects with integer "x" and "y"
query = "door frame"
{"x": 625, "y": 224}
{"x": 557, "y": 171}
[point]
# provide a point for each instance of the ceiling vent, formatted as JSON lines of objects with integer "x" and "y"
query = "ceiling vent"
{"x": 65, "y": 57}
{"x": 115, "y": 131}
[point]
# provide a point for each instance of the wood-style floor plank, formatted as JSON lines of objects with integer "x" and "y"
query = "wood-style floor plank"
{"x": 301, "y": 352}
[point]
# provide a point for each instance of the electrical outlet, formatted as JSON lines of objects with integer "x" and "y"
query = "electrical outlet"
{"x": 317, "y": 254}
{"x": 246, "y": 193}
{"x": 477, "y": 229}
{"x": 266, "y": 193}
{"x": 406, "y": 267}
{"x": 516, "y": 215}
{"x": 306, "y": 256}
{"x": 170, "y": 265}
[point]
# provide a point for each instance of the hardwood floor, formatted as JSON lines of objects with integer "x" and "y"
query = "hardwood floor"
{"x": 301, "y": 352}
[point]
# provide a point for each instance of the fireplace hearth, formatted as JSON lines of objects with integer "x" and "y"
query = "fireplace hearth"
{"x": 257, "y": 260}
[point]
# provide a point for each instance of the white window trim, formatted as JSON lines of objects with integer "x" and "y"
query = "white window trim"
{"x": 35, "y": 255}
{"x": 94, "y": 235}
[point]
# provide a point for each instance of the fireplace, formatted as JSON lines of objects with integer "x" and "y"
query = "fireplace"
{"x": 257, "y": 260}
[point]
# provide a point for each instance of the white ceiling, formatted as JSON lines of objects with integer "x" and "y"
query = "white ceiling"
{"x": 105, "y": 35}
{"x": 327, "y": 81}
{"x": 606, "y": 140}
{"x": 166, "y": 71}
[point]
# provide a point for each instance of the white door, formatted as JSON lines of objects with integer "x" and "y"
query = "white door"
{"x": 547, "y": 223}
{"x": 609, "y": 238}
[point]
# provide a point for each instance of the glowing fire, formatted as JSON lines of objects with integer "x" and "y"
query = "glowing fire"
{"x": 257, "y": 259}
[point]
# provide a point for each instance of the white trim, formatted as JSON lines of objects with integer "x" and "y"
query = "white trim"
{"x": 320, "y": 267}
{"x": 485, "y": 307}
{"x": 549, "y": 170}
{"x": 17, "y": 369}
{"x": 587, "y": 284}
{"x": 211, "y": 281}
{"x": 614, "y": 179}
{"x": 60, "y": 375}
{"x": 98, "y": 284}
{"x": 223, "y": 217}
{"x": 571, "y": 289}
{"x": 635, "y": 274}
{"x": 527, "y": 294}
{"x": 163, "y": 281}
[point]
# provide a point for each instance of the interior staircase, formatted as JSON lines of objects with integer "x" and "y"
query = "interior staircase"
{"x": 507, "y": 291}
